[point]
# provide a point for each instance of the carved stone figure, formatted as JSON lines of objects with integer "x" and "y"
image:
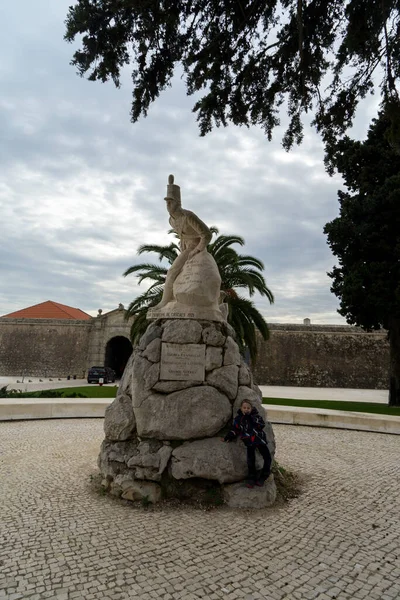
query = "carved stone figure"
{"x": 192, "y": 287}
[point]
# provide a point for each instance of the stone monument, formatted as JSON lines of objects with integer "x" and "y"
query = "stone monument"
{"x": 180, "y": 390}
{"x": 186, "y": 296}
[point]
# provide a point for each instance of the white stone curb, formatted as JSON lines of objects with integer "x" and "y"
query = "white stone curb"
{"x": 52, "y": 408}
{"x": 62, "y": 408}
{"x": 321, "y": 417}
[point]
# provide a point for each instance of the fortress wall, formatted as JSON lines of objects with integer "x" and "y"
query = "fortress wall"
{"x": 323, "y": 356}
{"x": 43, "y": 347}
{"x": 104, "y": 328}
{"x": 295, "y": 355}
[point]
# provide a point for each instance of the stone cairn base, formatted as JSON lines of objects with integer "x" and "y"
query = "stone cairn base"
{"x": 163, "y": 437}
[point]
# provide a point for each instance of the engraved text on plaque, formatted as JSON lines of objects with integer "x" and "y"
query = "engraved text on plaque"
{"x": 183, "y": 361}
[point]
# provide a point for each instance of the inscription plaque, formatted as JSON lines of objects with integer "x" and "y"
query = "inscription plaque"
{"x": 180, "y": 362}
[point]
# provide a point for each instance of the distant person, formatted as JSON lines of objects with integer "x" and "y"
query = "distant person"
{"x": 249, "y": 426}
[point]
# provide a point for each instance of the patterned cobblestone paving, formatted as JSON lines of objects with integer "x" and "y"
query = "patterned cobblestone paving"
{"x": 59, "y": 540}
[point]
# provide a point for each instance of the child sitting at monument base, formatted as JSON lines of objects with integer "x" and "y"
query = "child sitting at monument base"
{"x": 249, "y": 426}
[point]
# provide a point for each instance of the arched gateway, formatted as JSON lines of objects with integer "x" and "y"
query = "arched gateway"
{"x": 117, "y": 353}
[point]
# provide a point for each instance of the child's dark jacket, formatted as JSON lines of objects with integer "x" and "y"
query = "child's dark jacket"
{"x": 250, "y": 429}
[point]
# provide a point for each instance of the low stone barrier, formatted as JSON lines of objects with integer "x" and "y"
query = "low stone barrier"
{"x": 59, "y": 408}
{"x": 19, "y": 409}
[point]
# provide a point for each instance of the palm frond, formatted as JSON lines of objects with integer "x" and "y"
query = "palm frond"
{"x": 156, "y": 285}
{"x": 139, "y": 326}
{"x": 145, "y": 300}
{"x": 237, "y": 272}
{"x": 246, "y": 319}
{"x": 140, "y": 267}
{"x": 247, "y": 278}
{"x": 226, "y": 258}
{"x": 241, "y": 279}
{"x": 250, "y": 261}
{"x": 214, "y": 230}
{"x": 164, "y": 252}
{"x": 222, "y": 241}
{"x": 158, "y": 276}
{"x": 149, "y": 271}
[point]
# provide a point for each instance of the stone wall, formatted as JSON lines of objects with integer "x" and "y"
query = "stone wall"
{"x": 295, "y": 355}
{"x": 323, "y": 356}
{"x": 104, "y": 328}
{"x": 43, "y": 347}
{"x": 57, "y": 348}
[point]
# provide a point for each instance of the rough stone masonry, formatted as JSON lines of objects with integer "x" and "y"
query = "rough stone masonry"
{"x": 163, "y": 437}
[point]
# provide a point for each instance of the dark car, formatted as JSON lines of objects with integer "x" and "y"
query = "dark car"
{"x": 97, "y": 373}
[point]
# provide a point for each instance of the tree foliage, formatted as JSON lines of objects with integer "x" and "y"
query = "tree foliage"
{"x": 245, "y": 58}
{"x": 238, "y": 272}
{"x": 366, "y": 237}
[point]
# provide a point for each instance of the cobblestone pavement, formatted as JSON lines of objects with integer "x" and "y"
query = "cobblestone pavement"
{"x": 59, "y": 539}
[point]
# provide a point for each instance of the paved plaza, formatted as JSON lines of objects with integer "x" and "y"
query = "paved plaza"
{"x": 60, "y": 539}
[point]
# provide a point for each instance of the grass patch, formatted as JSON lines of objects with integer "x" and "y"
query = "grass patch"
{"x": 6, "y": 393}
{"x": 287, "y": 483}
{"x": 90, "y": 391}
{"x": 366, "y": 407}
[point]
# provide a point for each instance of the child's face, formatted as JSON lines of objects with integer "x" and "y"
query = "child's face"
{"x": 245, "y": 408}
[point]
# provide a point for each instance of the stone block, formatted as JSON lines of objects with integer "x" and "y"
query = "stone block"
{"x": 119, "y": 421}
{"x": 269, "y": 432}
{"x": 125, "y": 383}
{"x": 166, "y": 387}
{"x": 244, "y": 374}
{"x": 140, "y": 490}
{"x": 213, "y": 358}
{"x": 213, "y": 337}
{"x": 153, "y": 351}
{"x": 225, "y": 379}
{"x": 139, "y": 395}
{"x": 114, "y": 456}
{"x": 151, "y": 460}
{"x": 231, "y": 354}
{"x": 237, "y": 495}
{"x": 145, "y": 373}
{"x": 182, "y": 332}
{"x": 257, "y": 390}
{"x": 152, "y": 332}
{"x": 211, "y": 458}
{"x": 229, "y": 330}
{"x": 145, "y": 457}
{"x": 191, "y": 413}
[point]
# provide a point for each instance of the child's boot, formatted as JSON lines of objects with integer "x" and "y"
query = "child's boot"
{"x": 251, "y": 478}
{"x": 262, "y": 479}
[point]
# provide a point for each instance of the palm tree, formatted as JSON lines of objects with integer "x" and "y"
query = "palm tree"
{"x": 237, "y": 272}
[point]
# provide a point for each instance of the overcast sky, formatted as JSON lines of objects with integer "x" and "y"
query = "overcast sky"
{"x": 81, "y": 187}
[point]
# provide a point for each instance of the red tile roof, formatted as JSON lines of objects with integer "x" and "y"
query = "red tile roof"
{"x": 49, "y": 310}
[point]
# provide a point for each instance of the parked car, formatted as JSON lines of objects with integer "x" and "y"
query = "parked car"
{"x": 105, "y": 373}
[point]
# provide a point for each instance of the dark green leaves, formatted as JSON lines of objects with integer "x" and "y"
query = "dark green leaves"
{"x": 238, "y": 272}
{"x": 247, "y": 58}
{"x": 366, "y": 235}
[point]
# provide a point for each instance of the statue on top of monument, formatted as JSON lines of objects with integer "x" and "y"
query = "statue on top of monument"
{"x": 194, "y": 236}
{"x": 193, "y": 281}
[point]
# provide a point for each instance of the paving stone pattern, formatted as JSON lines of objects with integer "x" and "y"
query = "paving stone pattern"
{"x": 60, "y": 540}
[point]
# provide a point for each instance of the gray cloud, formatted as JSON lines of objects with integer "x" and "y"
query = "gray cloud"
{"x": 81, "y": 187}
